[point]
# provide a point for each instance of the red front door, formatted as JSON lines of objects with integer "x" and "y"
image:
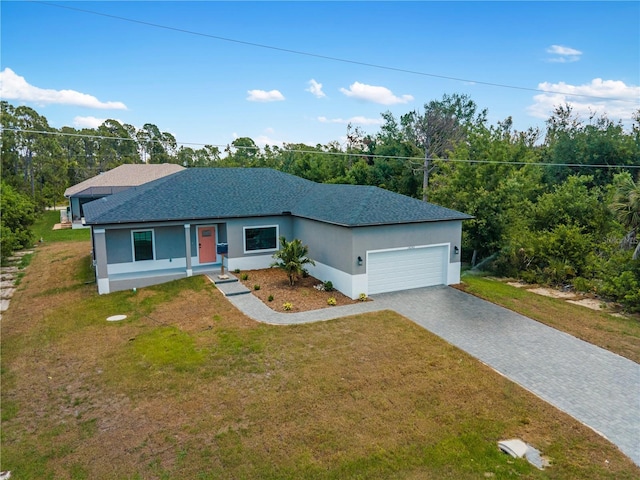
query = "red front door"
{"x": 206, "y": 244}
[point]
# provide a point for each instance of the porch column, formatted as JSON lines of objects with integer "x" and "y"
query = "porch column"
{"x": 187, "y": 242}
{"x": 100, "y": 255}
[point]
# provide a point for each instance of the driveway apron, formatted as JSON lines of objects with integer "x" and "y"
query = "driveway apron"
{"x": 596, "y": 387}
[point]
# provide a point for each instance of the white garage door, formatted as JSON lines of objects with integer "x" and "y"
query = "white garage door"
{"x": 394, "y": 270}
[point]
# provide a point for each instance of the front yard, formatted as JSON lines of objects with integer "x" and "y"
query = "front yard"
{"x": 188, "y": 387}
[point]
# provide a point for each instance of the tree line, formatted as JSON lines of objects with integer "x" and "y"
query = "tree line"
{"x": 557, "y": 206}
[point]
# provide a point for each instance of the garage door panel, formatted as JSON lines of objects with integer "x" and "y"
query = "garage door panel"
{"x": 395, "y": 270}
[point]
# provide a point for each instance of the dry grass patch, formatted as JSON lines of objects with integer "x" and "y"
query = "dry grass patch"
{"x": 188, "y": 387}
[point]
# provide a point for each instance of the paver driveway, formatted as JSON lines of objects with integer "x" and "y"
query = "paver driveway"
{"x": 597, "y": 387}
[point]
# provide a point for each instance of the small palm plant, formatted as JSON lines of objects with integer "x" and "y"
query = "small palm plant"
{"x": 292, "y": 257}
{"x": 626, "y": 207}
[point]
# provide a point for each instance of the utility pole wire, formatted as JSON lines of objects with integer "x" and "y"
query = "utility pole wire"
{"x": 327, "y": 57}
{"x": 414, "y": 159}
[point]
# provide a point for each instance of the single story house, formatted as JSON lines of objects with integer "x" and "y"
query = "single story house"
{"x": 112, "y": 181}
{"x": 363, "y": 239}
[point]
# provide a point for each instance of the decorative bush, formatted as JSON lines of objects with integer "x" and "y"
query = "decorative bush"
{"x": 270, "y": 298}
{"x": 328, "y": 286}
{"x": 287, "y": 306}
{"x": 244, "y": 276}
{"x": 292, "y": 257}
{"x": 237, "y": 270}
{"x": 362, "y": 297}
{"x": 331, "y": 301}
{"x": 256, "y": 287}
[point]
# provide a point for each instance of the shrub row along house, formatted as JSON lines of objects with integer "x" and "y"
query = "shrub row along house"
{"x": 363, "y": 239}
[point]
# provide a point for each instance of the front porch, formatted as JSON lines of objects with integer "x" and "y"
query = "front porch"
{"x": 130, "y": 280}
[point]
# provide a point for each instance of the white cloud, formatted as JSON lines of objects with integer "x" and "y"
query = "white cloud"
{"x": 264, "y": 140}
{"x": 315, "y": 88}
{"x": 358, "y": 120}
{"x": 376, "y": 94}
{"x": 88, "y": 122}
{"x": 264, "y": 96}
{"x": 563, "y": 54}
{"x": 15, "y": 87}
{"x": 616, "y": 100}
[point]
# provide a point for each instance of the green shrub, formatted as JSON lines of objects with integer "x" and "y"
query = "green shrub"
{"x": 256, "y": 287}
{"x": 270, "y": 298}
{"x": 237, "y": 270}
{"x": 328, "y": 286}
{"x": 581, "y": 284}
{"x": 18, "y": 214}
{"x": 625, "y": 289}
{"x": 244, "y": 276}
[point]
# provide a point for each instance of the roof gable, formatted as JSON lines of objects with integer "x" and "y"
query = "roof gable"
{"x": 204, "y": 193}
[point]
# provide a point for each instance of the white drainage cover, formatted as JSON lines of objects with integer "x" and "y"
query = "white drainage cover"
{"x": 116, "y": 318}
{"x": 518, "y": 449}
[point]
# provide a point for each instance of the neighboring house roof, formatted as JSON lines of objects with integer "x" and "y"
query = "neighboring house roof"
{"x": 121, "y": 178}
{"x": 202, "y": 193}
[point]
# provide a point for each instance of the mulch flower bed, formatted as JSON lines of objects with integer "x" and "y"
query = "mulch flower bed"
{"x": 274, "y": 283}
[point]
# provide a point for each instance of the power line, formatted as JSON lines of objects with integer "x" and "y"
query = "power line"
{"x": 320, "y": 152}
{"x": 328, "y": 57}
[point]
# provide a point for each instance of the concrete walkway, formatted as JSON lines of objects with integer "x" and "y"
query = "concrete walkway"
{"x": 596, "y": 387}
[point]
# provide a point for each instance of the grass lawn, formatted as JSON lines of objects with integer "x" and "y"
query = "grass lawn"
{"x": 42, "y": 229}
{"x": 188, "y": 388}
{"x": 616, "y": 334}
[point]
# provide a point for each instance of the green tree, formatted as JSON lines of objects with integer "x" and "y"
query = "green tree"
{"x": 443, "y": 124}
{"x": 392, "y": 167}
{"x": 243, "y": 152}
{"x": 17, "y": 216}
{"x": 122, "y": 149}
{"x": 600, "y": 141}
{"x": 207, "y": 156}
{"x": 156, "y": 146}
{"x": 562, "y": 236}
{"x": 498, "y": 191}
{"x": 292, "y": 257}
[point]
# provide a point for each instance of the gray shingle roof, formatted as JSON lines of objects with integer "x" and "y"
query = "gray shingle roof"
{"x": 207, "y": 193}
{"x": 122, "y": 177}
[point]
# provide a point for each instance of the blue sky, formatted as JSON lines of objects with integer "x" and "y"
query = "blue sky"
{"x": 79, "y": 68}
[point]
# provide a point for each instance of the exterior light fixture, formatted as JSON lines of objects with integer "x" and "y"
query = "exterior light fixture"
{"x": 456, "y": 250}
{"x": 359, "y": 260}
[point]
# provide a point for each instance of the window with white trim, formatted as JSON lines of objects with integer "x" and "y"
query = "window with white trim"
{"x": 142, "y": 241}
{"x": 263, "y": 238}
